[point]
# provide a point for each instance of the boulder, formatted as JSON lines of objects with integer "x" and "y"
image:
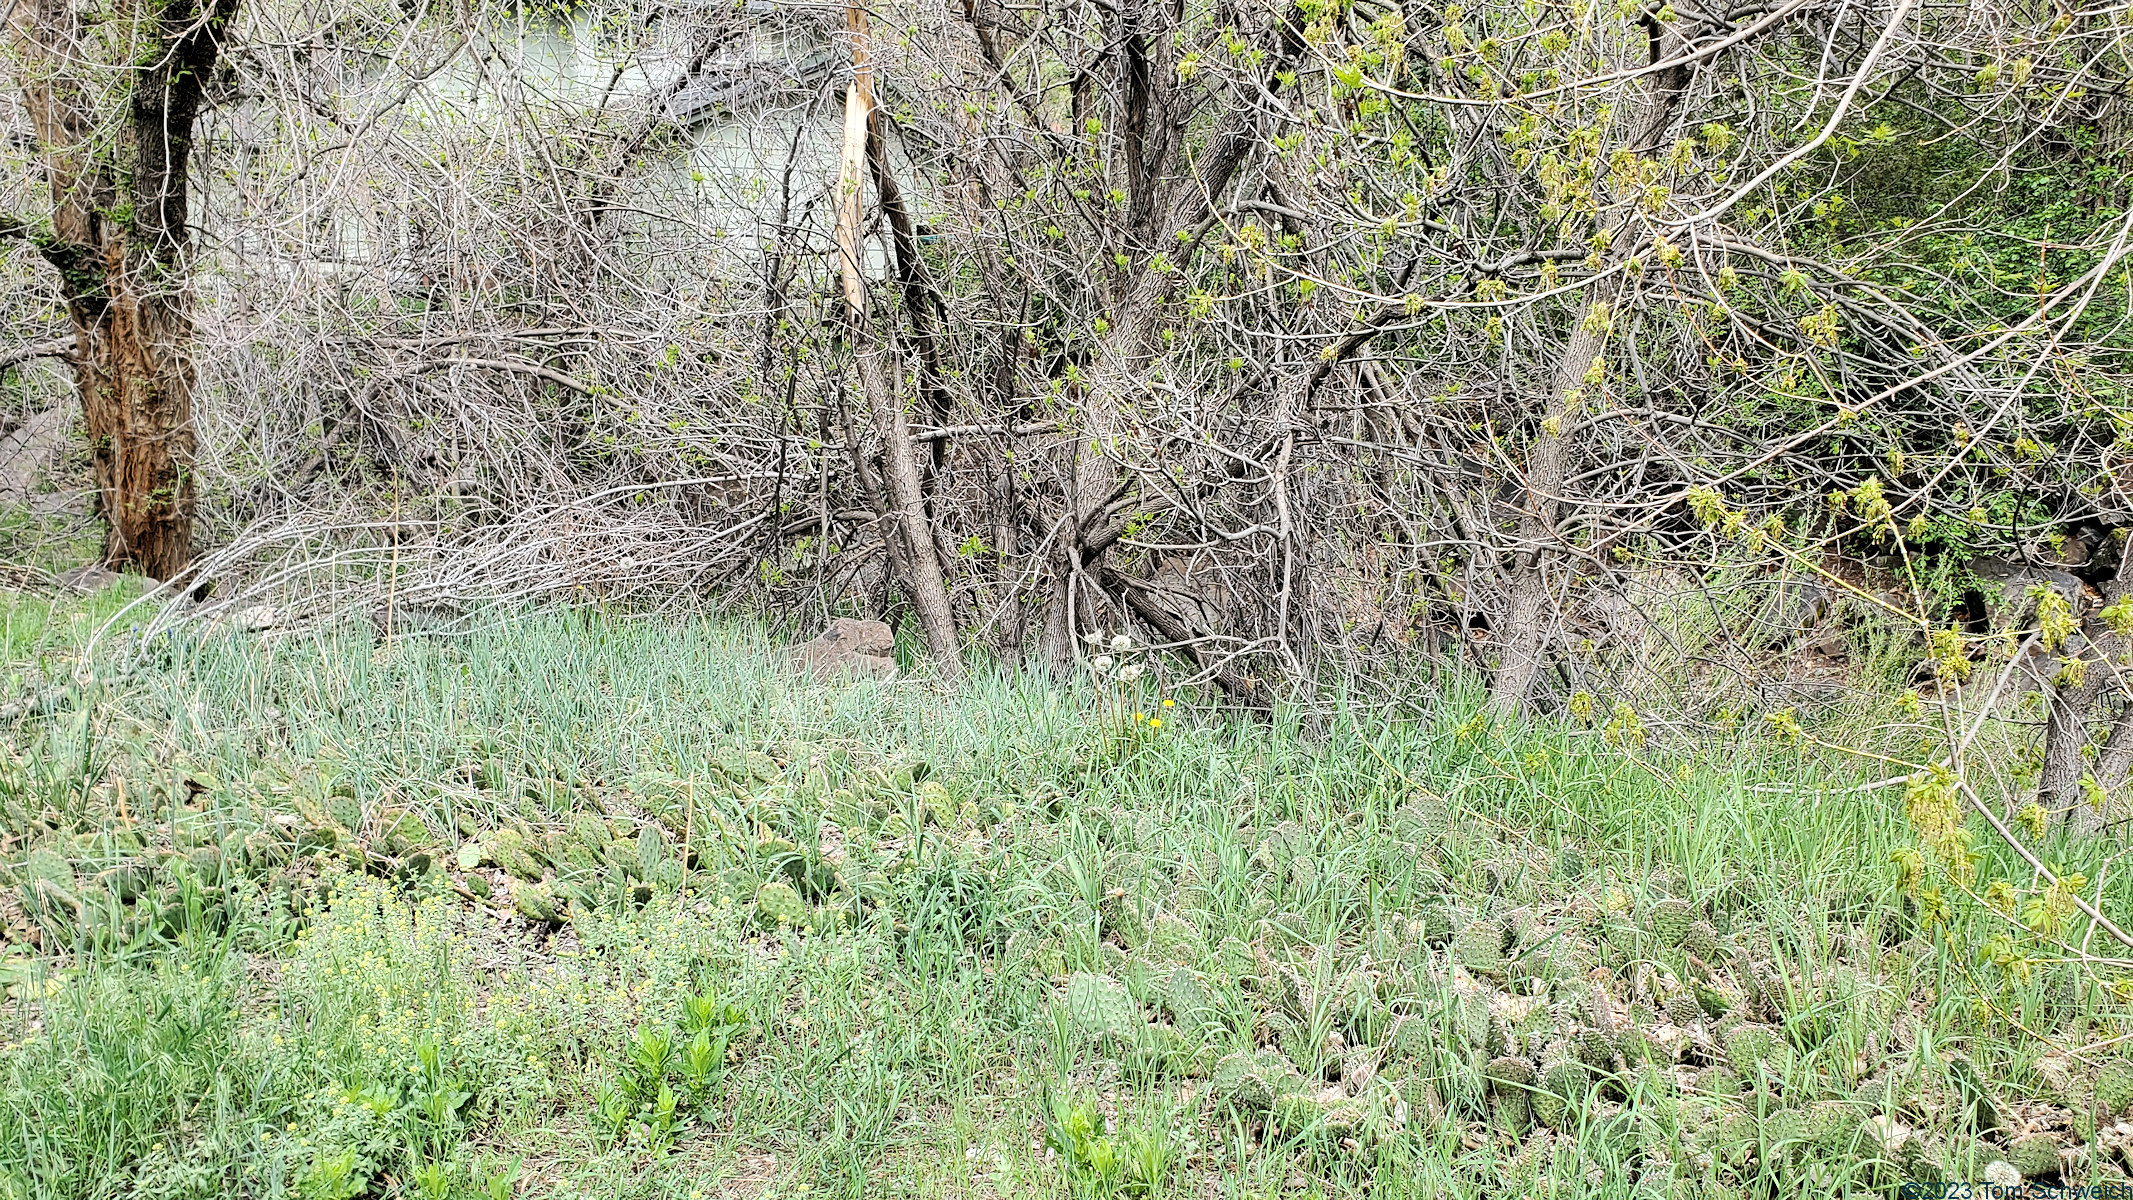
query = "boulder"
{"x": 849, "y": 647}
{"x": 88, "y": 578}
{"x": 33, "y": 454}
{"x": 2006, "y": 584}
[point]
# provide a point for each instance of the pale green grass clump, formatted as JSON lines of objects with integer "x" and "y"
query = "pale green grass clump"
{"x": 580, "y": 906}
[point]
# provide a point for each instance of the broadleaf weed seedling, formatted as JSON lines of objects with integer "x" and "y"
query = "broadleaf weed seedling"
{"x": 1100, "y": 1164}
{"x": 700, "y": 1065}
{"x": 432, "y": 1181}
{"x": 333, "y": 1177}
{"x": 651, "y": 1055}
{"x": 661, "y": 1119}
{"x": 1074, "y": 1130}
{"x": 712, "y": 1025}
{"x": 496, "y": 1185}
{"x": 613, "y": 1108}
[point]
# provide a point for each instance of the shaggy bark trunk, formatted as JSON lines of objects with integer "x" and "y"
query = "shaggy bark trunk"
{"x": 135, "y": 375}
{"x": 924, "y": 580}
{"x": 120, "y": 241}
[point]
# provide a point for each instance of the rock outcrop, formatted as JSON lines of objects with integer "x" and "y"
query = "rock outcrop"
{"x": 849, "y": 647}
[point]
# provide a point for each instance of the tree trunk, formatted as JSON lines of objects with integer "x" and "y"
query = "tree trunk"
{"x": 1527, "y": 629}
{"x": 2066, "y": 726}
{"x": 135, "y": 375}
{"x": 923, "y": 578}
{"x": 2066, "y": 736}
{"x": 2115, "y": 765}
{"x": 926, "y": 581}
{"x": 120, "y": 240}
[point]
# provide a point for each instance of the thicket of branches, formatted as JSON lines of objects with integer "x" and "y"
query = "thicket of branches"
{"x": 1298, "y": 337}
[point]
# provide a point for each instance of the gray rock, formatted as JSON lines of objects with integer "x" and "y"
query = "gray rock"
{"x": 32, "y": 452}
{"x": 849, "y": 647}
{"x": 2007, "y": 584}
{"x": 89, "y": 577}
{"x": 1790, "y": 610}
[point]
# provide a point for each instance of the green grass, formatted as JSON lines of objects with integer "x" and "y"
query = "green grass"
{"x": 574, "y": 905}
{"x": 42, "y": 634}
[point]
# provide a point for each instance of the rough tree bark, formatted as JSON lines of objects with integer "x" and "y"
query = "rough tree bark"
{"x": 119, "y": 238}
{"x": 2070, "y": 698}
{"x": 2114, "y": 766}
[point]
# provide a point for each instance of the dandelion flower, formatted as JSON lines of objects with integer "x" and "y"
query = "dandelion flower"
{"x": 1129, "y": 673}
{"x": 1121, "y": 644}
{"x": 1170, "y": 704}
{"x": 1094, "y": 637}
{"x": 1102, "y": 665}
{"x": 1155, "y": 722}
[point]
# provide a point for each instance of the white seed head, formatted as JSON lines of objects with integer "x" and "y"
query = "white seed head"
{"x": 1121, "y": 644}
{"x": 1130, "y": 672}
{"x": 1102, "y": 665}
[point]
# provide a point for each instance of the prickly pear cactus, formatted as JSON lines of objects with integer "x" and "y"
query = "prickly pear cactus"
{"x": 651, "y": 849}
{"x": 1749, "y": 1046}
{"x": 2114, "y": 1088}
{"x": 1682, "y": 1009}
{"x": 1100, "y": 1005}
{"x": 1831, "y": 1124}
{"x": 1510, "y": 1094}
{"x": 1250, "y": 1083}
{"x": 1425, "y": 818}
{"x": 1172, "y": 938}
{"x": 401, "y": 831}
{"x": 1668, "y": 921}
{"x": 1561, "y": 1098}
{"x": 1474, "y": 1023}
{"x": 777, "y": 903}
{"x": 1702, "y": 941}
{"x": 1187, "y": 998}
{"x": 537, "y": 902}
{"x": 1235, "y": 1083}
{"x": 1479, "y": 946}
{"x": 1570, "y": 864}
{"x": 2035, "y": 1156}
{"x": 507, "y": 848}
{"x": 1295, "y": 1112}
{"x": 761, "y": 766}
{"x": 846, "y": 811}
{"x": 938, "y": 802}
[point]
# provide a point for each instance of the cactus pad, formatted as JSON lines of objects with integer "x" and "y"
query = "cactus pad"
{"x": 1669, "y": 921}
{"x": 2036, "y": 1156}
{"x": 1100, "y": 1005}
